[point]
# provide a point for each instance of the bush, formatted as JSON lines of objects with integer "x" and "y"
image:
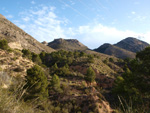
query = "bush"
{"x": 27, "y": 53}
{"x": 4, "y": 44}
{"x": 90, "y": 75}
{"x": 111, "y": 60}
{"x": 55, "y": 83}
{"x": 36, "y": 58}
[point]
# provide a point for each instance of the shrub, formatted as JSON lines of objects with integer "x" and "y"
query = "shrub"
{"x": 4, "y": 44}
{"x": 111, "y": 60}
{"x": 90, "y": 59}
{"x": 55, "y": 83}
{"x": 90, "y": 75}
{"x": 27, "y": 53}
{"x": 36, "y": 58}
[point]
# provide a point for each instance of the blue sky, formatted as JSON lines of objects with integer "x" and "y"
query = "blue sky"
{"x": 92, "y": 22}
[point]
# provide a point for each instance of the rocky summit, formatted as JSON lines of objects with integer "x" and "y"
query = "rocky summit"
{"x": 67, "y": 44}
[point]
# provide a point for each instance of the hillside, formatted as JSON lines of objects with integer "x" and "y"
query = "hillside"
{"x": 115, "y": 51}
{"x": 126, "y": 48}
{"x": 67, "y": 44}
{"x": 19, "y": 39}
{"x": 132, "y": 44}
{"x": 72, "y": 68}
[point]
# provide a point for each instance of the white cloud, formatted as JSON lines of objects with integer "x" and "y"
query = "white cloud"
{"x": 32, "y": 2}
{"x": 44, "y": 25}
{"x": 26, "y": 19}
{"x": 133, "y": 12}
{"x": 98, "y": 34}
{"x": 9, "y": 16}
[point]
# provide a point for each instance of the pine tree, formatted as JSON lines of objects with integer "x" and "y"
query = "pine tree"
{"x": 90, "y": 75}
{"x": 55, "y": 83}
{"x": 36, "y": 58}
{"x": 36, "y": 84}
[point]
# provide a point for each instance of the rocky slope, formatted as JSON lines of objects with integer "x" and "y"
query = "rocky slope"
{"x": 67, "y": 44}
{"x": 115, "y": 51}
{"x": 18, "y": 38}
{"x": 132, "y": 44}
{"x": 126, "y": 48}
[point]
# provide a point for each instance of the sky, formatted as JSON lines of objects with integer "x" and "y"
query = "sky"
{"x": 92, "y": 22}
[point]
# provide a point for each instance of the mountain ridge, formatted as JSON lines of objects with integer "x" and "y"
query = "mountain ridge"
{"x": 13, "y": 33}
{"x": 126, "y": 48}
{"x": 67, "y": 44}
{"x": 132, "y": 44}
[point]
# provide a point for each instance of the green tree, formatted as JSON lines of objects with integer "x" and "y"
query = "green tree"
{"x": 55, "y": 83}
{"x": 125, "y": 85}
{"x": 134, "y": 83}
{"x": 36, "y": 58}
{"x": 36, "y": 84}
{"x": 43, "y": 57}
{"x": 90, "y": 75}
{"x": 3, "y": 44}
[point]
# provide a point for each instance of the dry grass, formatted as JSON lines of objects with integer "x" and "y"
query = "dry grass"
{"x": 10, "y": 103}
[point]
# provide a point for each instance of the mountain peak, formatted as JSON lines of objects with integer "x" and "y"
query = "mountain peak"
{"x": 67, "y": 44}
{"x": 126, "y": 48}
{"x": 132, "y": 44}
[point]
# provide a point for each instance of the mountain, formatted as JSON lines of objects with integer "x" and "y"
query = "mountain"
{"x": 132, "y": 44}
{"x": 115, "y": 51}
{"x": 67, "y": 44}
{"x": 126, "y": 48}
{"x": 19, "y": 39}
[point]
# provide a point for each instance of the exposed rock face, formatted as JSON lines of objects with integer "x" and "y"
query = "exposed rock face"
{"x": 67, "y": 44}
{"x": 132, "y": 44}
{"x": 45, "y": 43}
{"x": 115, "y": 51}
{"x": 12, "y": 33}
{"x": 15, "y": 45}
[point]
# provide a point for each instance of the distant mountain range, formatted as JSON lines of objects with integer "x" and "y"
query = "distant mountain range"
{"x": 19, "y": 39}
{"x": 126, "y": 48}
